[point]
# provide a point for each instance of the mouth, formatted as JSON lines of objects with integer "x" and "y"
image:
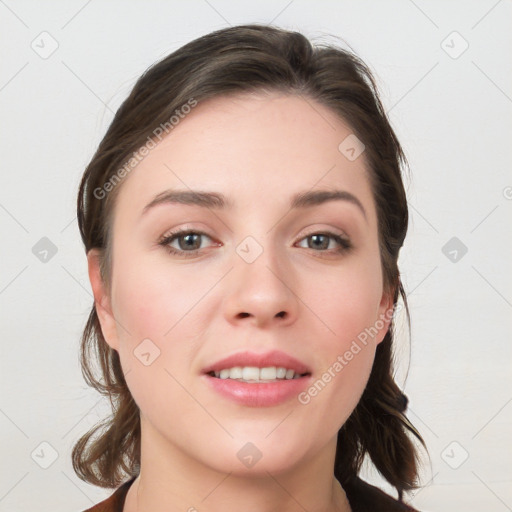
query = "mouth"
{"x": 255, "y": 391}
{"x": 258, "y": 380}
{"x": 249, "y": 366}
{"x": 254, "y": 374}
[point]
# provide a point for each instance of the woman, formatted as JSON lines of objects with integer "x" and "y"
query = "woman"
{"x": 242, "y": 219}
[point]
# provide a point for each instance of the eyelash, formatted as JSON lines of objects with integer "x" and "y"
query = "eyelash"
{"x": 344, "y": 243}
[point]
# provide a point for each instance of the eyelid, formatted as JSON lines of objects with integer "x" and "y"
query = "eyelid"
{"x": 313, "y": 231}
{"x": 179, "y": 232}
{"x": 327, "y": 231}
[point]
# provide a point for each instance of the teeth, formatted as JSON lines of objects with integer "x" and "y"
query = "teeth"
{"x": 249, "y": 373}
{"x": 252, "y": 373}
{"x": 224, "y": 374}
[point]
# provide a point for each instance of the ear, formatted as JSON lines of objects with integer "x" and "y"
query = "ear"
{"x": 384, "y": 316}
{"x": 102, "y": 300}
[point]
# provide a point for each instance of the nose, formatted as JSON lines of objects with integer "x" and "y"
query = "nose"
{"x": 261, "y": 292}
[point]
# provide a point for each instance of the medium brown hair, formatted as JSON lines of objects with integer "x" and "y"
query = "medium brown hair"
{"x": 244, "y": 59}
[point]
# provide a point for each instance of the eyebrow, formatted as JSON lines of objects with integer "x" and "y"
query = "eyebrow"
{"x": 218, "y": 201}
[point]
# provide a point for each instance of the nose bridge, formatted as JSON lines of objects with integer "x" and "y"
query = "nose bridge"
{"x": 259, "y": 262}
{"x": 259, "y": 243}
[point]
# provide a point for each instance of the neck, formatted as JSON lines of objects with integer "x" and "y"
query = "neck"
{"x": 178, "y": 482}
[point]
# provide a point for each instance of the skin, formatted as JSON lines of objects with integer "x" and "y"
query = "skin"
{"x": 258, "y": 150}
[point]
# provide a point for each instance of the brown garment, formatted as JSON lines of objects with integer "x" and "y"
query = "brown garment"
{"x": 362, "y": 497}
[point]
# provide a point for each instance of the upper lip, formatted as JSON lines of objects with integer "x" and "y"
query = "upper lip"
{"x": 275, "y": 358}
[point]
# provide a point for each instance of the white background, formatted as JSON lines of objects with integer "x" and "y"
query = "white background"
{"x": 453, "y": 117}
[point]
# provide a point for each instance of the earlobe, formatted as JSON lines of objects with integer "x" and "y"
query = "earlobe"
{"x": 102, "y": 300}
{"x": 385, "y": 316}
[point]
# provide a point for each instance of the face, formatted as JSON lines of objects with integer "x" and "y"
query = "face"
{"x": 256, "y": 275}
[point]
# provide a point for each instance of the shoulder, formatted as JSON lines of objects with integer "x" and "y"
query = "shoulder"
{"x": 115, "y": 502}
{"x": 364, "y": 497}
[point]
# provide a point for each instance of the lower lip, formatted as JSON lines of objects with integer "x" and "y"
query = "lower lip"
{"x": 263, "y": 394}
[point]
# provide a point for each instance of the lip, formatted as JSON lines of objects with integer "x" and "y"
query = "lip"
{"x": 275, "y": 358}
{"x": 265, "y": 394}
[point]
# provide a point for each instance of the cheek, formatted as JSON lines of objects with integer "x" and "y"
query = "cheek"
{"x": 155, "y": 341}
{"x": 156, "y": 307}
{"x": 153, "y": 301}
{"x": 346, "y": 310}
{"x": 347, "y": 303}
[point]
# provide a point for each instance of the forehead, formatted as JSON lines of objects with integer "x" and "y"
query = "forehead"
{"x": 255, "y": 148}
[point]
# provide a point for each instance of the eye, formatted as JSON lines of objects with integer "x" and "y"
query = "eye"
{"x": 188, "y": 241}
{"x": 320, "y": 242}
